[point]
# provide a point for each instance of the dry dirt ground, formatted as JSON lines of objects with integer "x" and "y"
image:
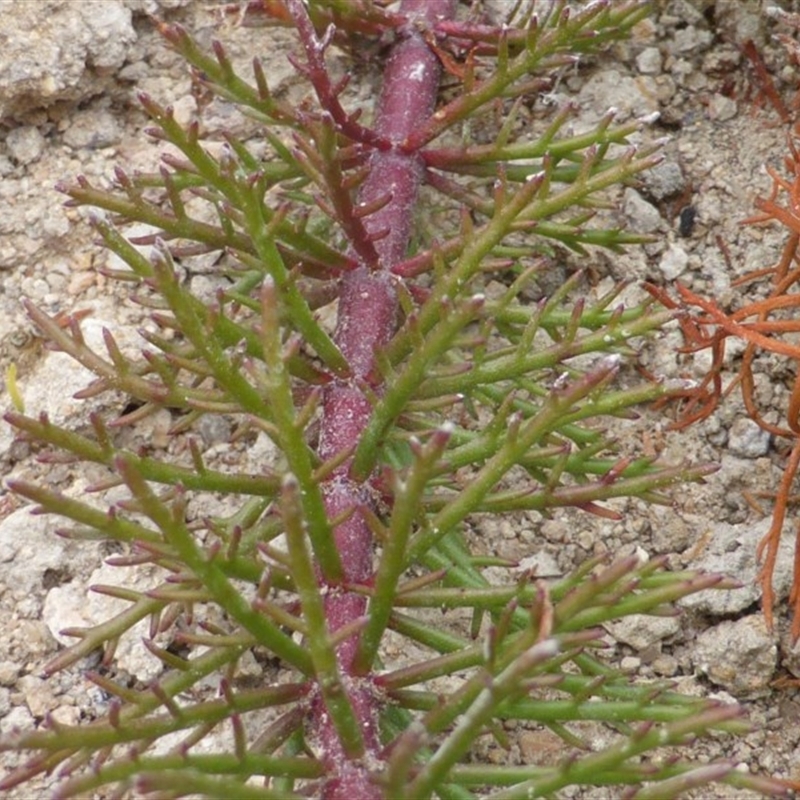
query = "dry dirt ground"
{"x": 68, "y": 76}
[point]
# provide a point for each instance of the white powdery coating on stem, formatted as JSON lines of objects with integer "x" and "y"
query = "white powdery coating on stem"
{"x": 649, "y": 119}
{"x": 417, "y": 73}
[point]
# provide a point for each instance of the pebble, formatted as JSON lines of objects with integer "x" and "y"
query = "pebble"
{"x": 664, "y": 179}
{"x": 721, "y": 108}
{"x": 629, "y": 96}
{"x": 8, "y": 673}
{"x": 38, "y": 694}
{"x": 731, "y": 550}
{"x": 648, "y": 62}
{"x": 630, "y": 664}
{"x": 92, "y": 130}
{"x": 747, "y": 439}
{"x": 61, "y": 55}
{"x": 673, "y": 263}
{"x": 25, "y": 144}
{"x": 641, "y": 631}
{"x": 31, "y": 549}
{"x": 642, "y": 216}
{"x": 17, "y": 719}
{"x": 66, "y": 715}
{"x": 665, "y": 665}
{"x": 691, "y": 40}
{"x": 745, "y": 669}
{"x": 791, "y": 654}
{"x": 74, "y": 605}
{"x": 541, "y": 564}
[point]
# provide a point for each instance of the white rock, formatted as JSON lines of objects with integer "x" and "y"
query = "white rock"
{"x": 640, "y": 631}
{"x": 643, "y": 216}
{"x": 791, "y": 654}
{"x": 631, "y": 97}
{"x": 25, "y": 144}
{"x": 731, "y": 550}
{"x": 747, "y": 440}
{"x": 75, "y": 606}
{"x": 30, "y": 548}
{"x": 38, "y": 694}
{"x": 93, "y": 129}
{"x": 740, "y": 656}
{"x": 690, "y": 39}
{"x": 721, "y": 108}
{"x": 51, "y": 386}
{"x": 59, "y": 51}
{"x": 648, "y": 62}
{"x": 664, "y": 179}
{"x": 542, "y": 564}
{"x": 674, "y": 262}
{"x": 18, "y": 719}
{"x": 8, "y": 673}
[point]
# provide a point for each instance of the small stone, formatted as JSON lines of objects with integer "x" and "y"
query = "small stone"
{"x": 791, "y": 655}
{"x": 641, "y": 631}
{"x": 25, "y": 144}
{"x": 55, "y": 224}
{"x": 93, "y": 130}
{"x": 73, "y": 605}
{"x": 585, "y": 539}
{"x": 5, "y": 701}
{"x": 665, "y": 665}
{"x": 721, "y": 108}
{"x": 731, "y": 550}
{"x": 628, "y": 96}
{"x": 36, "y": 636}
{"x": 29, "y": 541}
{"x": 740, "y": 656}
{"x": 184, "y": 110}
{"x": 542, "y": 747}
{"x": 79, "y": 282}
{"x": 747, "y": 439}
{"x": 644, "y": 217}
{"x": 8, "y": 673}
{"x": 648, "y": 62}
{"x": 38, "y": 695}
{"x": 673, "y": 263}
{"x": 17, "y": 719}
{"x": 541, "y": 564}
{"x": 60, "y": 51}
{"x": 664, "y": 180}
{"x": 214, "y": 429}
{"x": 691, "y": 39}
{"x": 66, "y": 715}
{"x": 248, "y": 667}
{"x": 630, "y": 664}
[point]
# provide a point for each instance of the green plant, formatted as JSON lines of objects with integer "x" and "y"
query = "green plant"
{"x": 432, "y": 399}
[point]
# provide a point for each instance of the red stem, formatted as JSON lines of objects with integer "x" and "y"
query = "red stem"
{"x": 368, "y": 313}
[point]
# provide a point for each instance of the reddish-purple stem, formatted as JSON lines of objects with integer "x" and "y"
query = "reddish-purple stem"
{"x": 367, "y": 318}
{"x": 317, "y": 73}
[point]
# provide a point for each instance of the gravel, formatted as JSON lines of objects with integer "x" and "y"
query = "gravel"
{"x": 68, "y": 76}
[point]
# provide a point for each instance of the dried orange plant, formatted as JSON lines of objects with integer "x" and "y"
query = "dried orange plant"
{"x": 763, "y": 325}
